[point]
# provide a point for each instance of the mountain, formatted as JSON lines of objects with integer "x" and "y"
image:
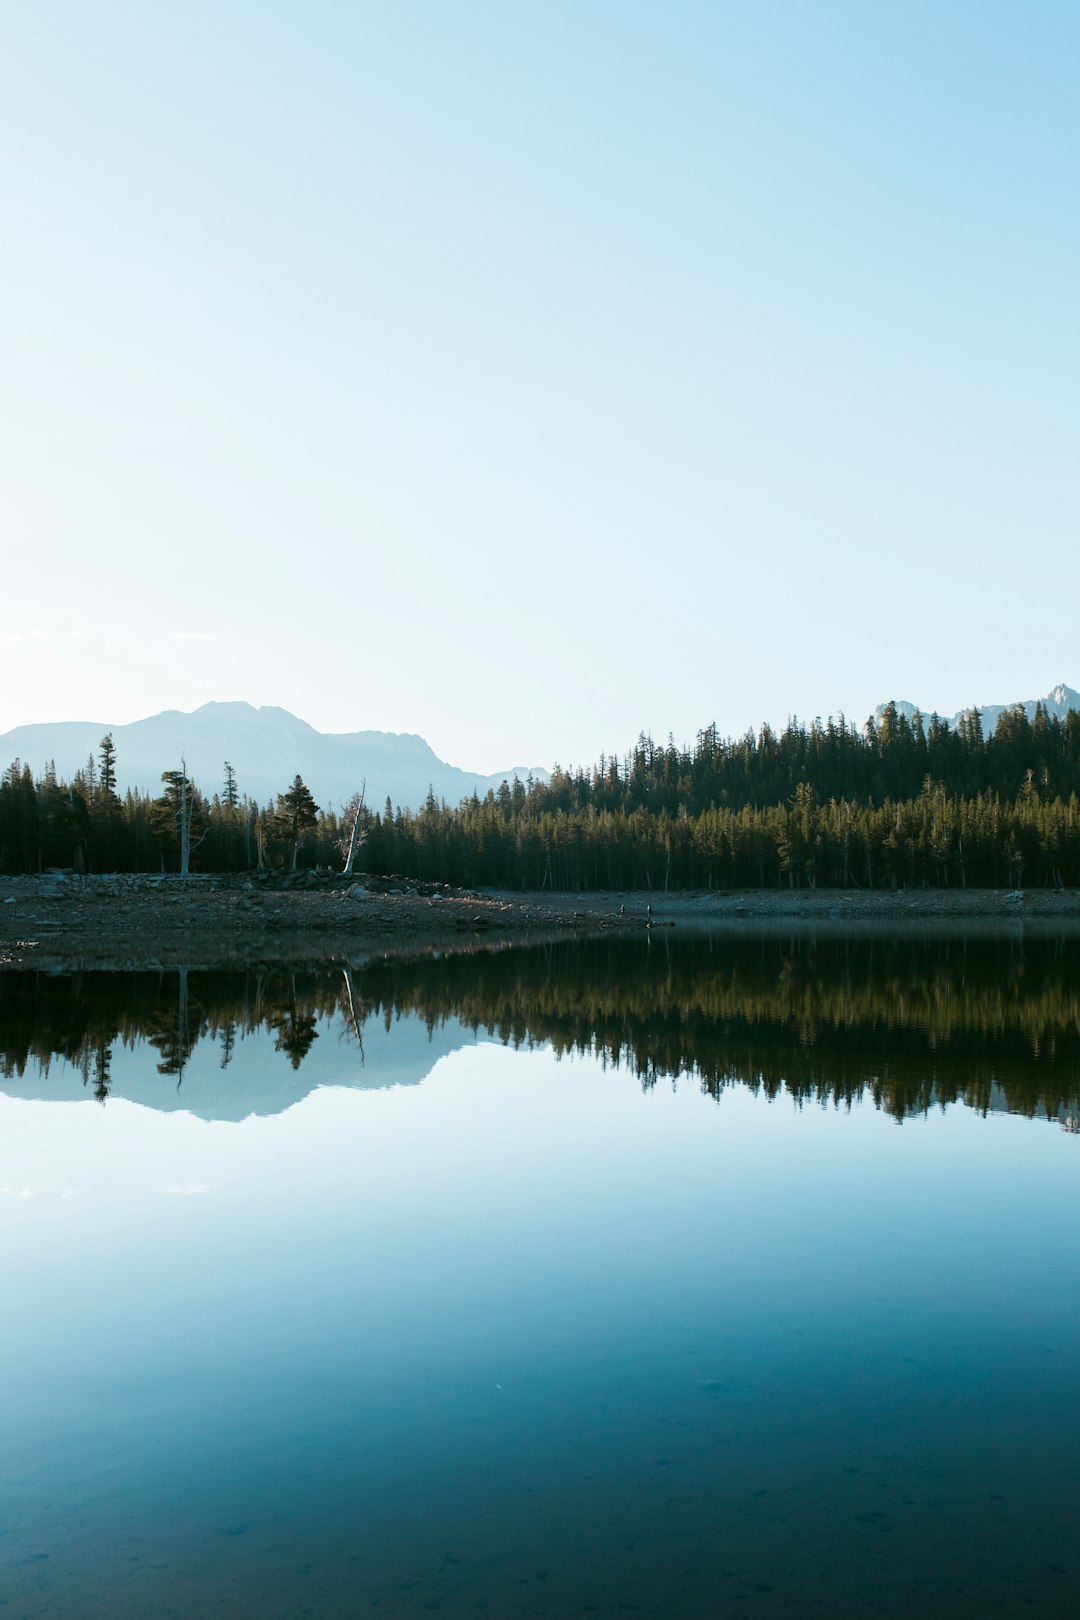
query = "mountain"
{"x": 259, "y": 1079}
{"x": 1057, "y": 702}
{"x": 266, "y": 747}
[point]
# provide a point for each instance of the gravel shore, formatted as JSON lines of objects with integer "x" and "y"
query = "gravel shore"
{"x": 58, "y": 919}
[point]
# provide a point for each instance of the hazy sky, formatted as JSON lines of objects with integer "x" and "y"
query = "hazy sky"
{"x": 531, "y": 375}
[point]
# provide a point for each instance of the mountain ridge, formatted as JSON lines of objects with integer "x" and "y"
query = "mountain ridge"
{"x": 1057, "y": 702}
{"x": 267, "y": 746}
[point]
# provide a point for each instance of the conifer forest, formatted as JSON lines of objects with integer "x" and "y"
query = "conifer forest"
{"x": 900, "y": 803}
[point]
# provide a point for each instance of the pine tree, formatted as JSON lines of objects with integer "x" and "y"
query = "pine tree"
{"x": 230, "y": 796}
{"x": 297, "y": 813}
{"x": 107, "y": 773}
{"x": 179, "y": 816}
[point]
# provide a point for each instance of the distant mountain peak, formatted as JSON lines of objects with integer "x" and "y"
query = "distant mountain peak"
{"x": 1057, "y": 703}
{"x": 266, "y": 747}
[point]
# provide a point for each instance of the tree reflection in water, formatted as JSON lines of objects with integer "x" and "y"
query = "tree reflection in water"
{"x": 914, "y": 1023}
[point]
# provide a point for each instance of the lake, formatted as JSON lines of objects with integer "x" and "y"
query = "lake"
{"x": 673, "y": 1277}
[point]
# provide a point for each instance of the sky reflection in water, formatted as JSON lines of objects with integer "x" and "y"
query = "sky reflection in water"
{"x": 529, "y": 1336}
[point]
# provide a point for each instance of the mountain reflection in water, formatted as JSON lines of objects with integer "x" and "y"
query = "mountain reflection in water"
{"x": 540, "y": 1336}
{"x": 911, "y": 1023}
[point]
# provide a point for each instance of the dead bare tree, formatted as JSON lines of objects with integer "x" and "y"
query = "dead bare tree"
{"x": 353, "y": 817}
{"x": 180, "y": 811}
{"x": 187, "y": 809}
{"x": 354, "y": 1021}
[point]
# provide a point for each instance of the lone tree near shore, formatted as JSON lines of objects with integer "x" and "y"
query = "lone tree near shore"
{"x": 180, "y": 814}
{"x": 354, "y": 822}
{"x": 297, "y": 813}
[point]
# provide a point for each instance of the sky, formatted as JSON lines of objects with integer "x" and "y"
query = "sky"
{"x": 531, "y": 376}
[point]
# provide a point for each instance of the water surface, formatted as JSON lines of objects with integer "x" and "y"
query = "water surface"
{"x": 675, "y": 1280}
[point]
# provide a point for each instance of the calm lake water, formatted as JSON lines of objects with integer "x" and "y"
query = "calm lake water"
{"x": 689, "y": 1278}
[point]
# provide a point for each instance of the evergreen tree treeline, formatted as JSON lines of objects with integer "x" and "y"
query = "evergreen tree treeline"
{"x": 914, "y": 1023}
{"x": 897, "y": 804}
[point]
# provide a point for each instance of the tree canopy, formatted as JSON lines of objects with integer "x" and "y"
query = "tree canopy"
{"x": 900, "y": 802}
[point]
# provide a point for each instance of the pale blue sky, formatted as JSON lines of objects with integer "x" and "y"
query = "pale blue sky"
{"x": 526, "y": 376}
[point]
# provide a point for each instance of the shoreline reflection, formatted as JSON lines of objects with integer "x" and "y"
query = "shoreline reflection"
{"x": 910, "y": 1023}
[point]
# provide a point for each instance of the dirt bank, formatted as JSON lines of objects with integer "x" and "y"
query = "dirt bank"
{"x": 58, "y": 919}
{"x": 61, "y": 919}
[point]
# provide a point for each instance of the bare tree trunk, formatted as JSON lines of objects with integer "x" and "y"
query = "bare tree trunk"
{"x": 353, "y": 1019}
{"x": 185, "y": 821}
{"x": 187, "y": 816}
{"x": 181, "y": 1025}
{"x": 356, "y": 837}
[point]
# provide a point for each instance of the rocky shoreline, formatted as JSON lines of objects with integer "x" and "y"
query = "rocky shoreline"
{"x": 59, "y": 919}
